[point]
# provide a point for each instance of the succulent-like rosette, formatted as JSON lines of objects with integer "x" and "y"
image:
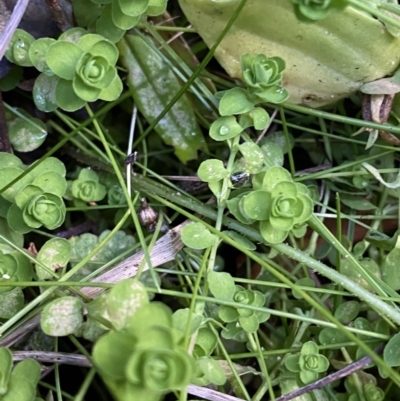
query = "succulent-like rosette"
{"x": 280, "y": 204}
{"x": 249, "y": 320}
{"x": 86, "y": 70}
{"x": 316, "y": 9}
{"x": 145, "y": 360}
{"x": 263, "y": 77}
{"x": 34, "y": 208}
{"x": 14, "y": 266}
{"x": 87, "y": 187}
{"x": 309, "y": 363}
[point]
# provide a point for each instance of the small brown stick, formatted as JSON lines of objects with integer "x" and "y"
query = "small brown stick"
{"x": 5, "y": 145}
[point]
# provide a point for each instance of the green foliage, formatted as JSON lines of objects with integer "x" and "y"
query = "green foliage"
{"x": 77, "y": 68}
{"x": 314, "y": 10}
{"x": 309, "y": 363}
{"x": 223, "y": 287}
{"x": 18, "y": 383}
{"x": 145, "y": 360}
{"x": 54, "y": 254}
{"x": 153, "y": 85}
{"x": 197, "y": 236}
{"x": 36, "y": 199}
{"x": 62, "y": 317}
{"x": 279, "y": 204}
{"x": 112, "y": 18}
{"x": 87, "y": 187}
{"x": 26, "y": 133}
{"x": 83, "y": 244}
{"x": 263, "y": 77}
{"x": 18, "y": 48}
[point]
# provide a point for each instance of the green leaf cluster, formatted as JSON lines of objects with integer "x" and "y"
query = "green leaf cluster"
{"x": 112, "y": 18}
{"x": 309, "y": 363}
{"x": 238, "y": 319}
{"x": 87, "y": 187}
{"x": 35, "y": 200}
{"x": 144, "y": 360}
{"x": 77, "y": 68}
{"x": 279, "y": 204}
{"x": 18, "y": 383}
{"x": 83, "y": 244}
{"x": 263, "y": 78}
{"x": 314, "y": 10}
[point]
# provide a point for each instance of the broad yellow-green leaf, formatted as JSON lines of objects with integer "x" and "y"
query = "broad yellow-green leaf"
{"x": 153, "y": 85}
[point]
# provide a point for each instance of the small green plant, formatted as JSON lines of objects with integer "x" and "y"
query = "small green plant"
{"x": 35, "y": 200}
{"x": 238, "y": 319}
{"x": 309, "y": 363}
{"x": 77, "y": 68}
{"x": 279, "y": 204}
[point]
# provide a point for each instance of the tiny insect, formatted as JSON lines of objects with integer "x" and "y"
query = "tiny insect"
{"x": 148, "y": 217}
{"x": 130, "y": 159}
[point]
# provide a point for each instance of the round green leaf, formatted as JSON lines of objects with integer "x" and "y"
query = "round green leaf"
{"x": 74, "y": 34}
{"x": 66, "y": 97}
{"x": 227, "y": 314}
{"x": 124, "y": 299}
{"x": 391, "y": 269}
{"x": 212, "y": 170}
{"x": 156, "y": 7}
{"x": 275, "y": 175}
{"x": 106, "y": 27}
{"x": 50, "y": 164}
{"x": 347, "y": 311}
{"x": 37, "y": 54}
{"x": 254, "y": 157}
{"x": 62, "y": 58}
{"x": 133, "y": 8}
{"x": 113, "y": 91}
{"x": 12, "y": 79}
{"x": 256, "y": 205}
{"x": 112, "y": 352}
{"x": 206, "y": 340}
{"x": 260, "y": 118}
{"x": 211, "y": 370}
{"x": 121, "y": 20}
{"x": 7, "y": 175}
{"x": 54, "y": 254}
{"x": 11, "y": 302}
{"x": 332, "y": 336}
{"x": 221, "y": 285}
{"x": 62, "y": 317}
{"x": 180, "y": 320}
{"x": 273, "y": 154}
{"x": 197, "y": 236}
{"x": 51, "y": 182}
{"x": 391, "y": 353}
{"x": 18, "y": 48}
{"x": 271, "y": 234}
{"x": 235, "y": 101}
{"x": 44, "y": 92}
{"x": 27, "y": 135}
{"x": 225, "y": 128}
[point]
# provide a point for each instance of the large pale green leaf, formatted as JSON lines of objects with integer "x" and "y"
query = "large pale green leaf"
{"x": 325, "y": 60}
{"x": 153, "y": 85}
